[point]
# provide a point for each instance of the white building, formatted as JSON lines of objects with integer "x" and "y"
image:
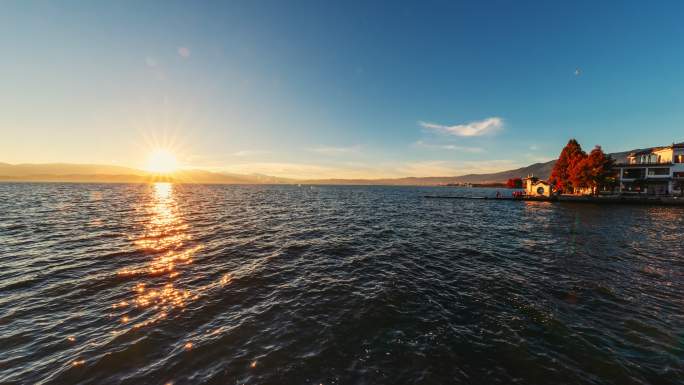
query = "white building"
{"x": 657, "y": 171}
{"x": 536, "y": 187}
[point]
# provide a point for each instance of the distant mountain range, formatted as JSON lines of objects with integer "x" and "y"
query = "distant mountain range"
{"x": 65, "y": 172}
{"x": 542, "y": 170}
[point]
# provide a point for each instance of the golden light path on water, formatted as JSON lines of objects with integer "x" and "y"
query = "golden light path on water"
{"x": 167, "y": 238}
{"x": 156, "y": 290}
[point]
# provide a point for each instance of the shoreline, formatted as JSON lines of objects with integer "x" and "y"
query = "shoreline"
{"x": 625, "y": 200}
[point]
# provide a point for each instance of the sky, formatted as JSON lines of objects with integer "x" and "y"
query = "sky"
{"x": 341, "y": 89}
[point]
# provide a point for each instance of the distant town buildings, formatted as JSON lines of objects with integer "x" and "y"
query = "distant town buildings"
{"x": 657, "y": 171}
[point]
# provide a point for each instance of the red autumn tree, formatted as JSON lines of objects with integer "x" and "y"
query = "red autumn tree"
{"x": 592, "y": 171}
{"x": 514, "y": 183}
{"x": 580, "y": 175}
{"x": 601, "y": 168}
{"x": 569, "y": 157}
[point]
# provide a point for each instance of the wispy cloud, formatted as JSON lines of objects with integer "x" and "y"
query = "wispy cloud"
{"x": 244, "y": 153}
{"x": 450, "y": 147}
{"x": 453, "y": 168}
{"x": 476, "y": 128}
{"x": 538, "y": 158}
{"x": 375, "y": 170}
{"x": 292, "y": 170}
{"x": 328, "y": 150}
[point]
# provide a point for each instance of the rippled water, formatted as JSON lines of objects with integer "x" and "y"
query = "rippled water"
{"x": 335, "y": 285}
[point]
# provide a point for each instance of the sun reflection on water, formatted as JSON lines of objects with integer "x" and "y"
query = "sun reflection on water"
{"x": 167, "y": 238}
{"x": 158, "y": 289}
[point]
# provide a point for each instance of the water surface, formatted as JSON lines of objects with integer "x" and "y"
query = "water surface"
{"x": 132, "y": 284}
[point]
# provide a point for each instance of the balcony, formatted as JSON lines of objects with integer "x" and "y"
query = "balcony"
{"x": 646, "y": 164}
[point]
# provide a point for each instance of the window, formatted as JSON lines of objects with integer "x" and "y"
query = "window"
{"x": 679, "y": 158}
{"x": 633, "y": 173}
{"x": 658, "y": 171}
{"x": 648, "y": 159}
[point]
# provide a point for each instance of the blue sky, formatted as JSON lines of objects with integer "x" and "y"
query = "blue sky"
{"x": 337, "y": 89}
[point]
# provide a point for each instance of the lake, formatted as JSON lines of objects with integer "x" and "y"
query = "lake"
{"x": 162, "y": 283}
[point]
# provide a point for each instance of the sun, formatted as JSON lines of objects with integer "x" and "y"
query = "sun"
{"x": 161, "y": 161}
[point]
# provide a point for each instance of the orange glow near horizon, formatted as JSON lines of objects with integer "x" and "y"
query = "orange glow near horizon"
{"x": 161, "y": 161}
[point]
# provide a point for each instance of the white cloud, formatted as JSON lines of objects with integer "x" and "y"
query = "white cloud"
{"x": 244, "y": 153}
{"x": 451, "y": 147}
{"x": 327, "y": 150}
{"x": 475, "y": 128}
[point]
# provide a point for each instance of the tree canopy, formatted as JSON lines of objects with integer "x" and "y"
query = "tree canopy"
{"x": 569, "y": 157}
{"x": 514, "y": 183}
{"x": 575, "y": 170}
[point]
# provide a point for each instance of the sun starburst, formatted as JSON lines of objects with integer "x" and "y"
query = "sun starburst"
{"x": 161, "y": 161}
